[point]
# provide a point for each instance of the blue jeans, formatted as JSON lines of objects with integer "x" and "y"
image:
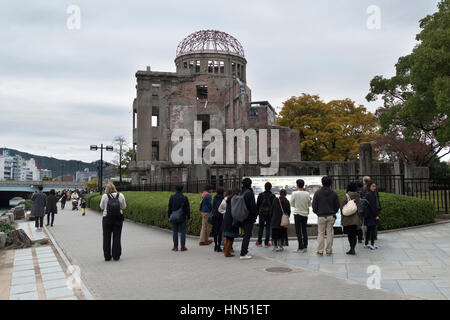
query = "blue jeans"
{"x": 264, "y": 223}
{"x": 179, "y": 227}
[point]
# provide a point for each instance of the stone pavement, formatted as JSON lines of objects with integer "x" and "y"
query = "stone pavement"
{"x": 36, "y": 273}
{"x": 415, "y": 261}
{"x": 148, "y": 269}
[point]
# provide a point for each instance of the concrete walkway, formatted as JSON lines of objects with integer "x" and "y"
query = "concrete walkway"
{"x": 148, "y": 269}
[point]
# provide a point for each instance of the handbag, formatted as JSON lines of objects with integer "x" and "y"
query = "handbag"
{"x": 177, "y": 215}
{"x": 350, "y": 207}
{"x": 284, "y": 218}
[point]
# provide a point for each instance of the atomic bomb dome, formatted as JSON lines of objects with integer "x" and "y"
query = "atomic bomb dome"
{"x": 210, "y": 41}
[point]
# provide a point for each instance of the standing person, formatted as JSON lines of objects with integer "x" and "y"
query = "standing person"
{"x": 217, "y": 219}
{"x": 351, "y": 224}
{"x": 206, "y": 210}
{"x": 83, "y": 207}
{"x": 38, "y": 208}
{"x": 50, "y": 208}
{"x": 247, "y": 224}
{"x": 176, "y": 202}
{"x": 301, "y": 201}
{"x": 112, "y": 204}
{"x": 264, "y": 208}
{"x": 75, "y": 198}
{"x": 280, "y": 207}
{"x": 325, "y": 204}
{"x": 366, "y": 181}
{"x": 228, "y": 230}
{"x": 63, "y": 200}
{"x": 371, "y": 215}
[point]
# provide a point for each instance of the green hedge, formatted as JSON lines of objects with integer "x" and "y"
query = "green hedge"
{"x": 28, "y": 203}
{"x": 7, "y": 228}
{"x": 398, "y": 211}
{"x": 151, "y": 208}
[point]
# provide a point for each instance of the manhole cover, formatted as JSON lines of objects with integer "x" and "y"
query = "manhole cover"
{"x": 278, "y": 270}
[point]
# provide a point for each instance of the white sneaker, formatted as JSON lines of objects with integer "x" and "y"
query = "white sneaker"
{"x": 371, "y": 247}
{"x": 246, "y": 257}
{"x": 305, "y": 250}
{"x": 375, "y": 246}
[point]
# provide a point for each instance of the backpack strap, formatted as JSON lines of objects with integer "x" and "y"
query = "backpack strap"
{"x": 282, "y": 210}
{"x": 118, "y": 194}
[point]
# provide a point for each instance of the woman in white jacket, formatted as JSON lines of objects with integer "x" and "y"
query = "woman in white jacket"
{"x": 112, "y": 223}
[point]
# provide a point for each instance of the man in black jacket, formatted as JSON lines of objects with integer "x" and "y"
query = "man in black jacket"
{"x": 264, "y": 208}
{"x": 177, "y": 201}
{"x": 325, "y": 204}
{"x": 247, "y": 224}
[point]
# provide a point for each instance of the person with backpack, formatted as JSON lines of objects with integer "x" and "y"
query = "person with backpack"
{"x": 217, "y": 219}
{"x": 178, "y": 213}
{"x": 326, "y": 205}
{"x": 206, "y": 211}
{"x": 301, "y": 201}
{"x": 228, "y": 230}
{"x": 280, "y": 207}
{"x": 351, "y": 223}
{"x": 371, "y": 215}
{"x": 243, "y": 210}
{"x": 264, "y": 207}
{"x": 112, "y": 204}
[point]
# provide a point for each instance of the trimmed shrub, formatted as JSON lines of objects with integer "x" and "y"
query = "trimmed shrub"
{"x": 7, "y": 228}
{"x": 28, "y": 204}
{"x": 399, "y": 211}
{"x": 152, "y": 208}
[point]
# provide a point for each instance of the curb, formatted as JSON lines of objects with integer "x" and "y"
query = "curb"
{"x": 87, "y": 294}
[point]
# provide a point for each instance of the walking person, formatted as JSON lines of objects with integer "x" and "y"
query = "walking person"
{"x": 83, "y": 207}
{"x": 352, "y": 223}
{"x": 301, "y": 201}
{"x": 371, "y": 215}
{"x": 38, "y": 208}
{"x": 206, "y": 211}
{"x": 264, "y": 208}
{"x": 179, "y": 202}
{"x": 325, "y": 205}
{"x": 217, "y": 219}
{"x": 51, "y": 208}
{"x": 112, "y": 204}
{"x": 63, "y": 200}
{"x": 228, "y": 230}
{"x": 247, "y": 224}
{"x": 280, "y": 207}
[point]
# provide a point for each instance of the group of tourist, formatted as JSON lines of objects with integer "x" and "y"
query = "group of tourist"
{"x": 359, "y": 209}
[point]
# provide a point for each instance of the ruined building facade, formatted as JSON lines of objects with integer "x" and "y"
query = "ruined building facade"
{"x": 209, "y": 85}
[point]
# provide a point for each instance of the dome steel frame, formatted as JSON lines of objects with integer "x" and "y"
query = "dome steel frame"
{"x": 210, "y": 41}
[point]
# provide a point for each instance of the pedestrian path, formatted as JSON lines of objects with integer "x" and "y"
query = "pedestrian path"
{"x": 37, "y": 273}
{"x": 415, "y": 262}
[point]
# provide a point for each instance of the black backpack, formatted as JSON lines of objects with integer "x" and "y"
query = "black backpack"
{"x": 266, "y": 207}
{"x": 113, "y": 207}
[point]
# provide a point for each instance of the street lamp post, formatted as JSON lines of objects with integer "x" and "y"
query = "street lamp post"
{"x": 95, "y": 148}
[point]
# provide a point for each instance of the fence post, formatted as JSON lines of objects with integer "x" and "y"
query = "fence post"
{"x": 445, "y": 190}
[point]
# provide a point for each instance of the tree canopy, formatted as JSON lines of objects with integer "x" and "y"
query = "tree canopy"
{"x": 417, "y": 99}
{"x": 328, "y": 131}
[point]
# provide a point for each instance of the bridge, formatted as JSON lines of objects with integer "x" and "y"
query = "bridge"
{"x": 10, "y": 189}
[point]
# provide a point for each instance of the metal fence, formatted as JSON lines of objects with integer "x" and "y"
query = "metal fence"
{"x": 437, "y": 191}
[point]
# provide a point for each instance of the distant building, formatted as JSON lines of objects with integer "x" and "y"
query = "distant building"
{"x": 17, "y": 168}
{"x": 85, "y": 175}
{"x": 67, "y": 178}
{"x": 46, "y": 173}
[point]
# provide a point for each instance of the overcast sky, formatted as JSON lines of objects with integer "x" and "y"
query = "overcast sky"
{"x": 62, "y": 90}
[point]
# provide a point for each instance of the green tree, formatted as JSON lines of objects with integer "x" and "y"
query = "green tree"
{"x": 417, "y": 99}
{"x": 328, "y": 131}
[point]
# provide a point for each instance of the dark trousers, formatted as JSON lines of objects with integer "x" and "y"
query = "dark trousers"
{"x": 263, "y": 222}
{"x": 301, "y": 223}
{"x": 63, "y": 204}
{"x": 39, "y": 222}
{"x": 217, "y": 230}
{"x": 352, "y": 235}
{"x": 370, "y": 235}
{"x": 278, "y": 236}
{"x": 48, "y": 217}
{"x": 359, "y": 233}
{"x": 181, "y": 228}
{"x": 248, "y": 228}
{"x": 112, "y": 228}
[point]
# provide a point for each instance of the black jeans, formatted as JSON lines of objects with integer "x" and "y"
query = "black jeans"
{"x": 217, "y": 230}
{"x": 370, "y": 235}
{"x": 352, "y": 235}
{"x": 112, "y": 228}
{"x": 301, "y": 223}
{"x": 248, "y": 228}
{"x": 39, "y": 222}
{"x": 48, "y": 217}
